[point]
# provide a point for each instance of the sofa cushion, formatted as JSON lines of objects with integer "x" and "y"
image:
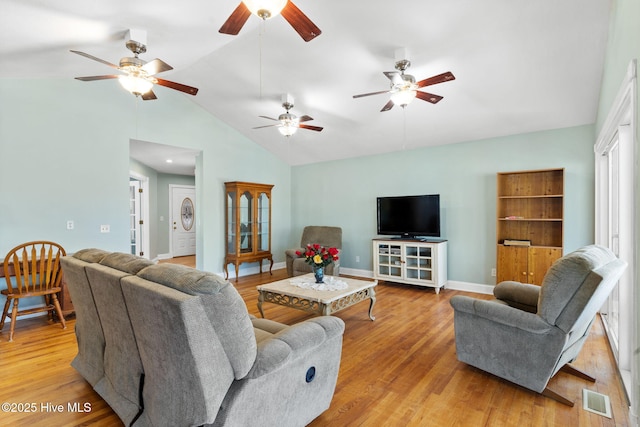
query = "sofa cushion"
{"x": 90, "y": 255}
{"x": 185, "y": 279}
{"x": 565, "y": 278}
{"x": 125, "y": 262}
{"x": 223, "y": 305}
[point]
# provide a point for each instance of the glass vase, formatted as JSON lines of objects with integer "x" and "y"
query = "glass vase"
{"x": 318, "y": 272}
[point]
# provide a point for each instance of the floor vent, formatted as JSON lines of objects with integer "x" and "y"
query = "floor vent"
{"x": 596, "y": 403}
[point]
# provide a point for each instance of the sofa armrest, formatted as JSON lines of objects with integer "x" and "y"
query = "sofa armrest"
{"x": 519, "y": 295}
{"x": 501, "y": 314}
{"x": 292, "y": 252}
{"x": 294, "y": 342}
{"x": 290, "y": 255}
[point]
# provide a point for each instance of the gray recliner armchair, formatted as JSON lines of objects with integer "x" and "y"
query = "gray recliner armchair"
{"x": 530, "y": 332}
{"x": 323, "y": 235}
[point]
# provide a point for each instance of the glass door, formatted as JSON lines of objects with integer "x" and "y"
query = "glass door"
{"x": 246, "y": 222}
{"x": 612, "y": 315}
{"x": 615, "y": 229}
{"x": 418, "y": 262}
{"x": 389, "y": 260}
{"x": 263, "y": 222}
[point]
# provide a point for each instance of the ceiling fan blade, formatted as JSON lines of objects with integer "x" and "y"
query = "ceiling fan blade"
{"x": 177, "y": 86}
{"x": 440, "y": 78}
{"x": 156, "y": 66}
{"x": 149, "y": 96}
{"x": 394, "y": 76}
{"x": 265, "y": 117}
{"x": 316, "y": 128}
{"x": 429, "y": 97}
{"x": 300, "y": 22}
{"x": 236, "y": 21}
{"x": 86, "y": 55}
{"x": 388, "y": 106}
{"x": 267, "y": 126}
{"x": 304, "y": 118}
{"x": 372, "y": 93}
{"x": 92, "y": 78}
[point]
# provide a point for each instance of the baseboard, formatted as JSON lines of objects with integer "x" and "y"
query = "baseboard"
{"x": 469, "y": 287}
{"x": 162, "y": 256}
{"x": 356, "y": 272}
{"x": 451, "y": 284}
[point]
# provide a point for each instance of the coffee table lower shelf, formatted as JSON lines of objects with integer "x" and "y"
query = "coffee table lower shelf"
{"x": 319, "y": 302}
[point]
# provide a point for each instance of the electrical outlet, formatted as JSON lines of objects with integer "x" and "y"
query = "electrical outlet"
{"x": 493, "y": 272}
{"x": 70, "y": 225}
{"x": 357, "y": 258}
{"x": 105, "y": 228}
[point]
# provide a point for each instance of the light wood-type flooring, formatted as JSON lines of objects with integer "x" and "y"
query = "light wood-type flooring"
{"x": 399, "y": 370}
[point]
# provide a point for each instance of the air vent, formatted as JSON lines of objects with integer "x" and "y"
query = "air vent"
{"x": 596, "y": 403}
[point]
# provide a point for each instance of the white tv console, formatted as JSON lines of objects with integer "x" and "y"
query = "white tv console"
{"x": 413, "y": 262}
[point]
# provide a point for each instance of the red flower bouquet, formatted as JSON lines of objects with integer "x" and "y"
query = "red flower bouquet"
{"x": 319, "y": 256}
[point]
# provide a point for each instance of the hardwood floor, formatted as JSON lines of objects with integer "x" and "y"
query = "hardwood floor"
{"x": 399, "y": 370}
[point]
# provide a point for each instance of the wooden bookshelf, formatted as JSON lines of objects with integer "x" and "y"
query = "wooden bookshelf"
{"x": 530, "y": 208}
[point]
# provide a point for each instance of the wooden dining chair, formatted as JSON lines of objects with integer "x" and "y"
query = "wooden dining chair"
{"x": 32, "y": 269}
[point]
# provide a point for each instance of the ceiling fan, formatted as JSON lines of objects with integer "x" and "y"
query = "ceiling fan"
{"x": 404, "y": 87}
{"x": 266, "y": 9}
{"x": 288, "y": 123}
{"x": 139, "y": 75}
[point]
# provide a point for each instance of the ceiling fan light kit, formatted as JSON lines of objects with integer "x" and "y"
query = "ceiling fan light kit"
{"x": 136, "y": 85}
{"x": 403, "y": 97}
{"x": 265, "y": 9}
{"x": 287, "y": 129}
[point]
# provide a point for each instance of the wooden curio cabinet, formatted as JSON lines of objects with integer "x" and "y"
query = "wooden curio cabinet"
{"x": 248, "y": 224}
{"x": 530, "y": 211}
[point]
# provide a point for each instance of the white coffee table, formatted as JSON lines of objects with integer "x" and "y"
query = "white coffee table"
{"x": 320, "y": 302}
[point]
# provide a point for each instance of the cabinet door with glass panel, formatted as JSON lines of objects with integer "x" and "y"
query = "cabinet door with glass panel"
{"x": 248, "y": 224}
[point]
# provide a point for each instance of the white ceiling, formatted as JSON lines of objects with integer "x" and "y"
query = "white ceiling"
{"x": 520, "y": 66}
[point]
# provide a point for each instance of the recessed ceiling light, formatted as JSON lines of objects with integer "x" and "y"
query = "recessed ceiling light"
{"x": 169, "y": 161}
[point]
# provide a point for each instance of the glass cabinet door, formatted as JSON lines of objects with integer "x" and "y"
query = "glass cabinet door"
{"x": 263, "y": 220}
{"x": 232, "y": 211}
{"x": 246, "y": 222}
{"x": 418, "y": 262}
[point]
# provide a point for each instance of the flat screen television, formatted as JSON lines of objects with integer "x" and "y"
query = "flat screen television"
{"x": 409, "y": 216}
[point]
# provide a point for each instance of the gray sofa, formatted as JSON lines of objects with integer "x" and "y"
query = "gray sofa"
{"x": 529, "y": 333}
{"x": 168, "y": 345}
{"x": 322, "y": 235}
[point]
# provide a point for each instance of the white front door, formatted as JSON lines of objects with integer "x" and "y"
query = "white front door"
{"x": 183, "y": 221}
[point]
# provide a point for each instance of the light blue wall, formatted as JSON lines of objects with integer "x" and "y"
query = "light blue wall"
{"x": 343, "y": 193}
{"x": 64, "y": 155}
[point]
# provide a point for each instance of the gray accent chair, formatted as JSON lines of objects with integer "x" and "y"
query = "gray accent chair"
{"x": 529, "y": 333}
{"x": 323, "y": 235}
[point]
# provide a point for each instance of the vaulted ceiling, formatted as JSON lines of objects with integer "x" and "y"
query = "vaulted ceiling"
{"x": 520, "y": 66}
